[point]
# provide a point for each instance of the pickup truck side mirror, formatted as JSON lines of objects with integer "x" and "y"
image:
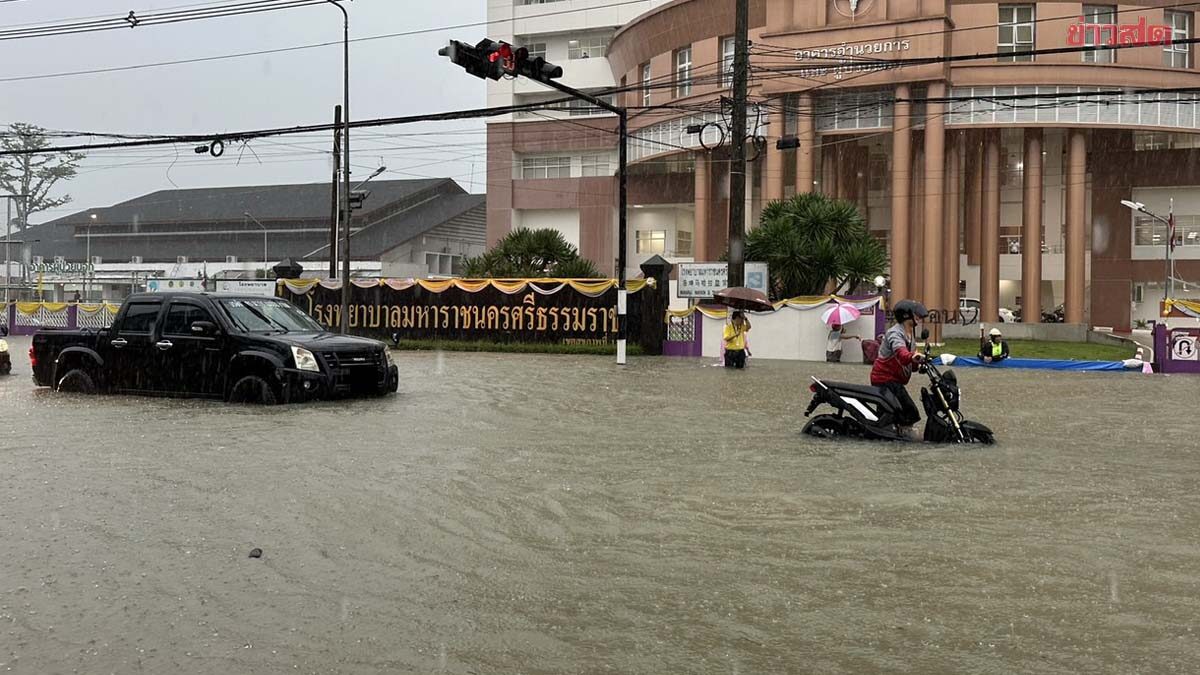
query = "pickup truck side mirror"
{"x": 204, "y": 328}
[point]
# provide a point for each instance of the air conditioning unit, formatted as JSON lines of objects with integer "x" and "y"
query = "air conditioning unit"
{"x": 136, "y": 260}
{"x": 181, "y": 260}
{"x": 231, "y": 258}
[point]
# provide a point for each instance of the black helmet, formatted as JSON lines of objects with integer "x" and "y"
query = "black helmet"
{"x": 908, "y": 309}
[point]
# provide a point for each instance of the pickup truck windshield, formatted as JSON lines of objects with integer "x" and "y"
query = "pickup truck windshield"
{"x": 268, "y": 316}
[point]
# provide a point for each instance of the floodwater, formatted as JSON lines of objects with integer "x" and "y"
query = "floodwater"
{"x": 548, "y": 514}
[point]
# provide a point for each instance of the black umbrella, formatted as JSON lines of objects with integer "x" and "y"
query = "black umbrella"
{"x": 741, "y": 297}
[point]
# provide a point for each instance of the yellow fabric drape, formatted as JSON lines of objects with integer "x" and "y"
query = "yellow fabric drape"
{"x": 590, "y": 287}
{"x": 804, "y": 303}
{"x": 31, "y": 308}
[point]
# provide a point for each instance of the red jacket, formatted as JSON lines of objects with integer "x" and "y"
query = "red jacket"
{"x": 896, "y": 356}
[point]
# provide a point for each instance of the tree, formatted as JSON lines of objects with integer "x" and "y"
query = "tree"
{"x": 811, "y": 241}
{"x": 525, "y": 254}
{"x": 33, "y": 175}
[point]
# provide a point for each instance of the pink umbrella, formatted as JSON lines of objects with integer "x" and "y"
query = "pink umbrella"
{"x": 840, "y": 315}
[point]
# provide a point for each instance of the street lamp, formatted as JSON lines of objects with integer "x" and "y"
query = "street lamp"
{"x": 264, "y": 229}
{"x": 1141, "y": 208}
{"x": 7, "y": 236}
{"x": 345, "y": 320}
{"x": 373, "y": 175}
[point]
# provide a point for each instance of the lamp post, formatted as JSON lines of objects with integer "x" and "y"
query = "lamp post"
{"x": 264, "y": 229}
{"x": 1141, "y": 208}
{"x": 87, "y": 271}
{"x": 374, "y": 174}
{"x": 7, "y": 236}
{"x": 345, "y": 318}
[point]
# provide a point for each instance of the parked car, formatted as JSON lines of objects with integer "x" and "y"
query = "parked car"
{"x": 969, "y": 309}
{"x": 237, "y": 348}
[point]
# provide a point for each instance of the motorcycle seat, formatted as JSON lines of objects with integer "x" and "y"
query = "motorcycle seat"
{"x": 864, "y": 390}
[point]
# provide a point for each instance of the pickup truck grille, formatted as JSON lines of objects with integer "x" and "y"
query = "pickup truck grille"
{"x": 353, "y": 360}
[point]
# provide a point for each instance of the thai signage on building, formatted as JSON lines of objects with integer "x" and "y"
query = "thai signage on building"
{"x": 60, "y": 266}
{"x": 851, "y": 58}
{"x": 245, "y": 287}
{"x": 702, "y": 280}
{"x": 1080, "y": 34}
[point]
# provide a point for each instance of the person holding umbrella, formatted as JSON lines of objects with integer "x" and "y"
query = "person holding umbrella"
{"x": 735, "y": 340}
{"x": 836, "y": 317}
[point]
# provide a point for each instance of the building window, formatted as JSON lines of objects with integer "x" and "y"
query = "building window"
{"x": 1164, "y": 140}
{"x": 1150, "y": 232}
{"x": 646, "y": 84}
{"x": 595, "y": 165}
{"x": 590, "y": 47}
{"x": 683, "y": 72}
{"x": 727, "y": 46}
{"x": 1016, "y": 32}
{"x": 536, "y": 50}
{"x": 443, "y": 264}
{"x": 651, "y": 241}
{"x": 1104, "y": 15}
{"x": 546, "y": 167}
{"x": 1177, "y": 55}
{"x": 683, "y": 243}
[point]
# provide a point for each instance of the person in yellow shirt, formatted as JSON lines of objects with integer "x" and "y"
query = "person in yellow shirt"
{"x": 735, "y": 341}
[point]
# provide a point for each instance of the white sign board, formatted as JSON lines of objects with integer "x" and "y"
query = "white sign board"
{"x": 702, "y": 280}
{"x": 263, "y": 288}
{"x": 1183, "y": 347}
{"x": 174, "y": 285}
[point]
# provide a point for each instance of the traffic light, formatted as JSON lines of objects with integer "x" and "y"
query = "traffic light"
{"x": 492, "y": 60}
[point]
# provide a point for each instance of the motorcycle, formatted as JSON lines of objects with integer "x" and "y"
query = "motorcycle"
{"x": 5, "y": 358}
{"x": 870, "y": 413}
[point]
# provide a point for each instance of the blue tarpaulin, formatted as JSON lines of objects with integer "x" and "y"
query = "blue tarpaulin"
{"x": 1041, "y": 364}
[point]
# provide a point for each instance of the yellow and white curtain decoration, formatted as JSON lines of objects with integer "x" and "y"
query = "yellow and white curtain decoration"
{"x": 1189, "y": 307}
{"x": 590, "y": 287}
{"x": 803, "y": 303}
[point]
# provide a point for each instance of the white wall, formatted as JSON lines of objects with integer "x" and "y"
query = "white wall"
{"x": 672, "y": 219}
{"x": 563, "y": 220}
{"x": 792, "y": 334}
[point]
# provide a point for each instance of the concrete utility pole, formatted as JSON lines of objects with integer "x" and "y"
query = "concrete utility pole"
{"x": 737, "y": 167}
{"x": 335, "y": 207}
{"x": 345, "y": 322}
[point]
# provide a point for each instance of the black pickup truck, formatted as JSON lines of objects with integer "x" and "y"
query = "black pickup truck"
{"x": 242, "y": 349}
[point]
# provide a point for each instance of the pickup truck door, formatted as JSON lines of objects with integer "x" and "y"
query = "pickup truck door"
{"x": 190, "y": 363}
{"x": 130, "y": 357}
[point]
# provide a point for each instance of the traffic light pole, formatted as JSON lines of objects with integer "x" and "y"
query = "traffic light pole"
{"x": 622, "y": 199}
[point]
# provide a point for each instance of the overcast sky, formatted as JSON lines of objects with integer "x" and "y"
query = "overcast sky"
{"x": 389, "y": 77}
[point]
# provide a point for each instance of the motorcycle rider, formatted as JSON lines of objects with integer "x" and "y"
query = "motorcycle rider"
{"x": 894, "y": 365}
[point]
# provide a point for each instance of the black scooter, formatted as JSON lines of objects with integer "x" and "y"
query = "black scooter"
{"x": 870, "y": 412}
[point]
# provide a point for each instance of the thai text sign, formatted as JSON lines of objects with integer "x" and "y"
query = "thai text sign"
{"x": 1080, "y": 34}
{"x": 703, "y": 280}
{"x": 60, "y": 266}
{"x": 549, "y": 311}
{"x": 850, "y": 58}
{"x": 245, "y": 287}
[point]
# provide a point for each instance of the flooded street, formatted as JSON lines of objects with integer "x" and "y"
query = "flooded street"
{"x": 546, "y": 514}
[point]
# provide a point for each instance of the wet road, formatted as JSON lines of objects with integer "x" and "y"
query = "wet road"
{"x": 543, "y": 514}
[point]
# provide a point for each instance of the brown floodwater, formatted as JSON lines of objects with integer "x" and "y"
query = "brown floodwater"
{"x": 551, "y": 514}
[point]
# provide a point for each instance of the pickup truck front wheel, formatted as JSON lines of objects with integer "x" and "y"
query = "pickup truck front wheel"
{"x": 253, "y": 389}
{"x": 77, "y": 381}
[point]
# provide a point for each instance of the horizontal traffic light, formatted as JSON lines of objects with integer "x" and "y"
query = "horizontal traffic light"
{"x": 492, "y": 60}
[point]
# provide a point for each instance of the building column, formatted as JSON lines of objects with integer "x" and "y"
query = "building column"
{"x": 1076, "y": 176}
{"x": 973, "y": 203}
{"x": 954, "y": 157}
{"x": 916, "y": 223}
{"x": 901, "y": 171}
{"x": 772, "y": 178}
{"x": 1031, "y": 229}
{"x": 703, "y": 182}
{"x": 935, "y": 194}
{"x": 805, "y": 132}
{"x": 989, "y": 245}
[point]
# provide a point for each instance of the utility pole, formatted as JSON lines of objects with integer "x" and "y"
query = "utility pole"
{"x": 345, "y": 320}
{"x": 737, "y": 167}
{"x": 335, "y": 207}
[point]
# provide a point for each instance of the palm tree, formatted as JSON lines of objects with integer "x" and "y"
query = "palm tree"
{"x": 811, "y": 241}
{"x": 525, "y": 254}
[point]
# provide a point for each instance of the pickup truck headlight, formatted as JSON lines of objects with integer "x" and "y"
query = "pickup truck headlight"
{"x": 305, "y": 360}
{"x": 3, "y": 346}
{"x": 387, "y": 358}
